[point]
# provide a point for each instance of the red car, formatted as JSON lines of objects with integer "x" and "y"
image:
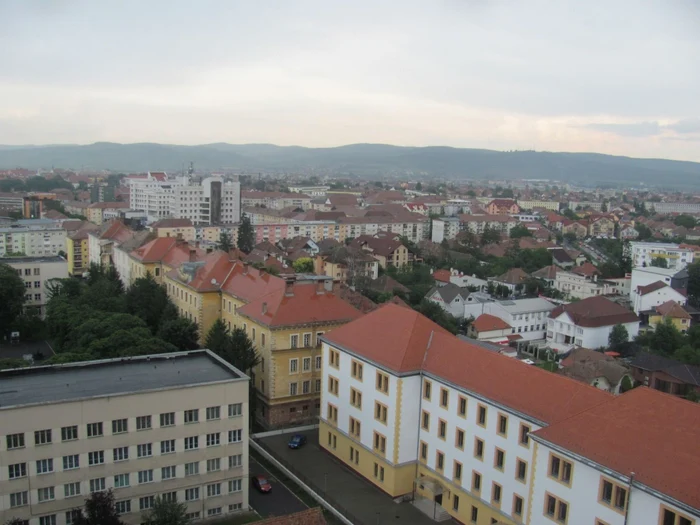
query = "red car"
{"x": 260, "y": 482}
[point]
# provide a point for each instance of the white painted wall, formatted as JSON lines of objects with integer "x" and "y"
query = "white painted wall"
{"x": 584, "y": 336}
{"x": 657, "y": 297}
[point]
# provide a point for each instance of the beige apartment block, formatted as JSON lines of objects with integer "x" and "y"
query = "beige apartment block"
{"x": 37, "y": 273}
{"x": 170, "y": 425}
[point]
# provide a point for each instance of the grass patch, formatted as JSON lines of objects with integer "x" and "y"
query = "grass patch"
{"x": 550, "y": 366}
{"x": 238, "y": 519}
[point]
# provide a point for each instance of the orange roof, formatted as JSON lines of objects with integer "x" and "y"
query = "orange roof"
{"x": 247, "y": 283}
{"x": 672, "y": 309}
{"x": 488, "y": 322}
{"x": 661, "y": 432}
{"x": 155, "y": 250}
{"x": 392, "y": 336}
{"x": 206, "y": 275}
{"x": 442, "y": 275}
{"x": 586, "y": 269}
{"x": 115, "y": 230}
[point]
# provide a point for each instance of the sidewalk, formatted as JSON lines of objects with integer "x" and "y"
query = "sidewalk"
{"x": 366, "y": 502}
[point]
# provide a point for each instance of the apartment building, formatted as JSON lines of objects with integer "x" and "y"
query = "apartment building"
{"x": 158, "y": 257}
{"x": 12, "y": 201}
{"x": 677, "y": 257}
{"x": 101, "y": 242}
{"x": 477, "y": 223}
{"x": 526, "y": 317}
{"x": 502, "y": 207}
{"x": 168, "y": 425}
{"x": 532, "y": 204}
{"x": 445, "y": 228}
{"x": 179, "y": 228}
{"x": 673, "y": 207}
{"x": 99, "y": 212}
{"x": 483, "y": 438}
{"x": 582, "y": 205}
{"x": 77, "y": 249}
{"x": 32, "y": 238}
{"x": 276, "y": 200}
{"x": 37, "y": 272}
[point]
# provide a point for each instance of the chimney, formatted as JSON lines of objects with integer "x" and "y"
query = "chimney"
{"x": 264, "y": 308}
{"x": 289, "y": 288}
{"x": 193, "y": 255}
{"x": 178, "y": 237}
{"x": 328, "y": 285}
{"x": 320, "y": 287}
{"x": 245, "y": 269}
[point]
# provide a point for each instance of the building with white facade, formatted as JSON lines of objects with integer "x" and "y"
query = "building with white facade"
{"x": 32, "y": 238}
{"x": 655, "y": 294}
{"x": 168, "y": 425}
{"x": 677, "y": 258}
{"x": 445, "y": 228}
{"x": 37, "y": 272}
{"x": 644, "y": 277}
{"x": 275, "y": 200}
{"x": 478, "y": 223}
{"x": 588, "y": 323}
{"x": 579, "y": 286}
{"x": 526, "y": 317}
{"x": 532, "y": 204}
{"x": 450, "y": 298}
{"x": 673, "y": 207}
{"x": 313, "y": 191}
{"x": 482, "y": 438}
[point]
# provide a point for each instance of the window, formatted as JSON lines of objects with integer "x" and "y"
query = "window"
{"x": 459, "y": 439}
{"x": 379, "y": 442}
{"x": 69, "y": 433}
{"x": 475, "y": 514}
{"x": 143, "y": 423}
{"x": 354, "y": 427}
{"x": 356, "y": 370}
{"x": 502, "y": 425}
{"x": 96, "y": 458}
{"x": 216, "y": 511}
{"x": 478, "y": 449}
{"x": 520, "y": 470}
{"x": 235, "y": 436}
{"x": 192, "y": 494}
{"x": 355, "y": 398}
{"x": 319, "y": 362}
{"x": 121, "y": 480}
{"x": 306, "y": 364}
{"x": 94, "y": 430}
{"x": 382, "y": 382}
{"x": 97, "y": 484}
{"x": 517, "y": 505}
{"x": 442, "y": 429}
{"x": 71, "y": 489}
{"x": 555, "y": 509}
{"x": 380, "y": 412}
{"x": 145, "y": 450}
{"x": 191, "y": 442}
{"x": 560, "y": 469}
{"x": 119, "y": 426}
{"x": 214, "y": 489}
{"x": 425, "y": 420}
{"x": 46, "y": 494}
{"x": 293, "y": 365}
{"x": 169, "y": 497}
{"x": 294, "y": 341}
{"x": 427, "y": 389}
{"x": 235, "y": 485}
{"x": 42, "y": 437}
{"x": 423, "y": 451}
{"x": 525, "y": 435}
{"x": 192, "y": 416}
{"x": 48, "y": 520}
{"x": 123, "y": 507}
{"x": 191, "y": 469}
{"x": 235, "y": 461}
{"x": 191, "y": 516}
{"x": 333, "y": 385}
{"x": 317, "y": 385}
{"x": 167, "y": 447}
{"x": 168, "y": 472}
{"x": 612, "y": 494}
{"x": 44, "y": 466}
{"x": 496, "y": 491}
{"x": 444, "y": 398}
{"x": 457, "y": 471}
{"x": 305, "y": 387}
{"x": 673, "y": 517}
{"x": 235, "y": 409}
{"x": 19, "y": 499}
{"x": 481, "y": 416}
{"x": 71, "y": 462}
{"x": 293, "y": 389}
{"x": 214, "y": 439}
{"x": 378, "y": 472}
{"x": 167, "y": 419}
{"x": 121, "y": 454}
{"x": 332, "y": 414}
{"x": 147, "y": 502}
{"x": 462, "y": 407}
{"x": 334, "y": 358}
{"x": 439, "y": 461}
{"x": 15, "y": 441}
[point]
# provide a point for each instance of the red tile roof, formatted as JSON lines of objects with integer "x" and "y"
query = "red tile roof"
{"x": 115, "y": 230}
{"x": 586, "y": 269}
{"x": 171, "y": 223}
{"x": 646, "y": 289}
{"x": 672, "y": 309}
{"x": 301, "y": 304}
{"x": 155, "y": 250}
{"x": 595, "y": 312}
{"x": 442, "y": 275}
{"x": 247, "y": 283}
{"x": 488, "y": 322}
{"x": 392, "y": 336}
{"x": 652, "y": 434}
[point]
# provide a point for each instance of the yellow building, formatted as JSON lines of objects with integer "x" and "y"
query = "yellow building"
{"x": 679, "y": 317}
{"x": 178, "y": 228}
{"x": 601, "y": 226}
{"x": 96, "y": 211}
{"x": 213, "y": 233}
{"x": 160, "y": 256}
{"x": 386, "y": 247}
{"x": 77, "y": 253}
{"x": 285, "y": 326}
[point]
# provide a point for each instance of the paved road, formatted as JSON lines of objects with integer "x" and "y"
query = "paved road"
{"x": 278, "y": 502}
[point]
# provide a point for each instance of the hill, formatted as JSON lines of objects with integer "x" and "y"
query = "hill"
{"x": 364, "y": 160}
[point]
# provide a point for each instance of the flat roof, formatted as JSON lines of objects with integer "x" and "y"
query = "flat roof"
{"x": 45, "y": 259}
{"x": 110, "y": 377}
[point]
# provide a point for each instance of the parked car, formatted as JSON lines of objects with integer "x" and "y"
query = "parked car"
{"x": 297, "y": 441}
{"x": 261, "y": 484}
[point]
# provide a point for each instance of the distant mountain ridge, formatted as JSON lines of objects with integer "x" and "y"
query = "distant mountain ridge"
{"x": 369, "y": 160}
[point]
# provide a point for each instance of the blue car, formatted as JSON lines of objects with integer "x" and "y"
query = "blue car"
{"x": 297, "y": 441}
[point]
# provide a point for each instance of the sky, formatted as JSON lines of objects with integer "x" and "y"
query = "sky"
{"x": 619, "y": 77}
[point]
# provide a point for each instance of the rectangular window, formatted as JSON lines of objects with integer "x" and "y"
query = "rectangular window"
{"x": 42, "y": 437}
{"x": 502, "y": 425}
{"x": 121, "y": 480}
{"x": 94, "y": 430}
{"x": 71, "y": 462}
{"x": 145, "y": 450}
{"x": 123, "y": 507}
{"x": 235, "y": 485}
{"x": 425, "y": 420}
{"x": 423, "y": 451}
{"x": 46, "y": 494}
{"x": 192, "y": 469}
{"x": 121, "y": 454}
{"x": 15, "y": 441}
{"x": 191, "y": 442}
{"x": 146, "y": 476}
{"x": 119, "y": 426}
{"x": 355, "y": 398}
{"x": 97, "y": 484}
{"x": 560, "y": 469}
{"x": 612, "y": 494}
{"x": 235, "y": 436}
{"x": 673, "y": 517}
{"x": 69, "y": 433}
{"x": 305, "y": 387}
{"x": 167, "y": 447}
{"x": 319, "y": 362}
{"x": 147, "y": 502}
{"x": 442, "y": 429}
{"x": 459, "y": 439}
{"x": 518, "y": 503}
{"x": 379, "y": 443}
{"x": 334, "y": 358}
{"x": 474, "y": 514}
{"x": 496, "y": 491}
{"x": 356, "y": 370}
{"x": 478, "y": 449}
{"x": 499, "y": 459}
{"x": 521, "y": 470}
{"x": 294, "y": 341}
{"x": 293, "y": 365}
{"x": 333, "y": 385}
{"x": 192, "y": 494}
{"x": 555, "y": 509}
{"x": 44, "y": 466}
{"x": 380, "y": 412}
{"x": 355, "y": 427}
{"x": 168, "y": 472}
{"x": 378, "y": 472}
{"x": 444, "y": 398}
{"x": 457, "y": 471}
{"x": 427, "y": 389}
{"x": 235, "y": 461}
{"x": 192, "y": 416}
{"x": 143, "y": 423}
{"x": 235, "y": 409}
{"x": 214, "y": 439}
{"x": 524, "y": 435}
{"x": 71, "y": 489}
{"x": 332, "y": 414}
{"x": 382, "y": 382}
{"x": 167, "y": 419}
{"x": 19, "y": 499}
{"x": 293, "y": 389}
{"x": 47, "y": 520}
{"x": 462, "y": 407}
{"x": 476, "y": 482}
{"x": 214, "y": 489}
{"x": 481, "y": 416}
{"x": 439, "y": 461}
{"x": 306, "y": 364}
{"x": 96, "y": 458}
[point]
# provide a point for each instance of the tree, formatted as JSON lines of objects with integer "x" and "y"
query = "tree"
{"x": 12, "y": 292}
{"x": 644, "y": 231}
{"x": 147, "y": 300}
{"x": 659, "y": 262}
{"x": 218, "y": 339}
{"x": 686, "y": 221}
{"x": 303, "y": 265}
{"x": 626, "y": 384}
{"x": 180, "y": 332}
{"x": 570, "y": 237}
{"x": 694, "y": 283}
{"x": 618, "y": 336}
{"x": 99, "y": 510}
{"x": 490, "y": 235}
{"x": 246, "y": 235}
{"x": 166, "y": 513}
{"x": 243, "y": 355}
{"x": 419, "y": 186}
{"x": 225, "y": 243}
{"x": 518, "y": 231}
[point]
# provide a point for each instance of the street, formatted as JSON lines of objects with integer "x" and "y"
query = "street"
{"x": 278, "y": 502}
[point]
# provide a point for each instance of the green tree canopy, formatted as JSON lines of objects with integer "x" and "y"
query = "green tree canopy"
{"x": 246, "y": 235}
{"x": 659, "y": 262}
{"x": 618, "y": 336}
{"x": 12, "y": 293}
{"x": 147, "y": 300}
{"x": 180, "y": 332}
{"x": 694, "y": 283}
{"x": 518, "y": 231}
{"x": 166, "y": 513}
{"x": 304, "y": 265}
{"x": 687, "y": 221}
{"x": 99, "y": 510}
{"x": 225, "y": 243}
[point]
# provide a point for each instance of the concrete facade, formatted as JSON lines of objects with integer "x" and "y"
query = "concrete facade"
{"x": 37, "y": 272}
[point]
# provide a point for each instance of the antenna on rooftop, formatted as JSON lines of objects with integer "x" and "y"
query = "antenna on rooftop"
{"x": 190, "y": 170}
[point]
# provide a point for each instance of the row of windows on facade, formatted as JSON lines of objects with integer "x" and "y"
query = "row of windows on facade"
{"x": 120, "y": 426}
{"x": 305, "y": 387}
{"x": 97, "y": 457}
{"x": 305, "y": 361}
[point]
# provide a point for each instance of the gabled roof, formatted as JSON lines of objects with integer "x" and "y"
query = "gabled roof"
{"x": 204, "y": 276}
{"x": 513, "y": 276}
{"x": 442, "y": 276}
{"x": 155, "y": 250}
{"x": 595, "y": 312}
{"x": 647, "y": 289}
{"x": 672, "y": 309}
{"x": 586, "y": 269}
{"x": 247, "y": 283}
{"x": 688, "y": 374}
{"x": 662, "y": 449}
{"x": 392, "y": 336}
{"x": 449, "y": 292}
{"x": 548, "y": 272}
{"x": 172, "y": 223}
{"x": 115, "y": 230}
{"x": 385, "y": 283}
{"x": 299, "y": 304}
{"x": 488, "y": 322}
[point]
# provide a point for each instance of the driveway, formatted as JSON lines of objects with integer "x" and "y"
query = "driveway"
{"x": 278, "y": 502}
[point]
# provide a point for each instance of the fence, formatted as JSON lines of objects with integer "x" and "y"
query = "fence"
{"x": 323, "y": 498}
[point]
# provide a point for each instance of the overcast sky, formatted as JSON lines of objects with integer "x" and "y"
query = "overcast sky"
{"x": 612, "y": 76}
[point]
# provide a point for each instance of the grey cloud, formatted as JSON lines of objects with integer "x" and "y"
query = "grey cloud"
{"x": 637, "y": 129}
{"x": 691, "y": 125}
